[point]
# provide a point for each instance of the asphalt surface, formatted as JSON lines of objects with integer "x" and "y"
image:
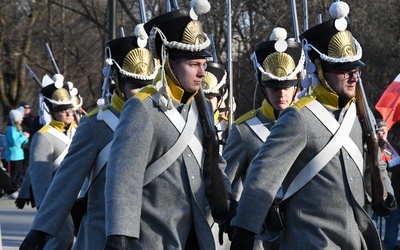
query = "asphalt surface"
{"x": 14, "y": 223}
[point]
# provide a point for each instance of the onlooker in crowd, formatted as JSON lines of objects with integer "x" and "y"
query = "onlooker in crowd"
{"x": 28, "y": 117}
{"x": 315, "y": 154}
{"x": 156, "y": 197}
{"x": 278, "y": 74}
{"x": 392, "y": 222}
{"x": 27, "y": 122}
{"x": 131, "y": 67}
{"x": 16, "y": 138}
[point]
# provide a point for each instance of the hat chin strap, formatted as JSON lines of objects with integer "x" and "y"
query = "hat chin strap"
{"x": 321, "y": 77}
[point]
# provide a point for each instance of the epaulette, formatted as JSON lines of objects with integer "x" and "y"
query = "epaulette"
{"x": 303, "y": 102}
{"x": 93, "y": 112}
{"x": 44, "y": 128}
{"x": 223, "y": 118}
{"x": 246, "y": 116}
{"x": 145, "y": 92}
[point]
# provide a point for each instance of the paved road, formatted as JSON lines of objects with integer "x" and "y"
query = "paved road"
{"x": 14, "y": 223}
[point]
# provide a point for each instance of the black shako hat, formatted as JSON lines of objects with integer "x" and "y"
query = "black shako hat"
{"x": 332, "y": 43}
{"x": 56, "y": 95}
{"x": 134, "y": 64}
{"x": 278, "y": 62}
{"x": 214, "y": 79}
{"x": 180, "y": 33}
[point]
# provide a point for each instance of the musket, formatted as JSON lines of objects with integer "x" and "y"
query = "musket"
{"x": 319, "y": 19}
{"x": 295, "y": 22}
{"x": 213, "y": 50}
{"x": 378, "y": 190}
{"x": 174, "y": 4}
{"x": 305, "y": 15}
{"x": 122, "y": 32}
{"x": 229, "y": 62}
{"x": 142, "y": 11}
{"x": 33, "y": 76}
{"x": 111, "y": 19}
{"x": 216, "y": 192}
{"x": 168, "y": 5}
{"x": 53, "y": 61}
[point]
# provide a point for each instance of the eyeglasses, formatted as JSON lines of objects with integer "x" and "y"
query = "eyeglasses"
{"x": 348, "y": 74}
{"x": 66, "y": 111}
{"x": 27, "y": 107}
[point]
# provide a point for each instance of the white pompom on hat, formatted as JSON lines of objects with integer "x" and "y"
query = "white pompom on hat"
{"x": 16, "y": 115}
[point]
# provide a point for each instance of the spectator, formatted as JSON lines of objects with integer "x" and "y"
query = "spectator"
{"x": 27, "y": 122}
{"x": 388, "y": 153}
{"x": 16, "y": 139}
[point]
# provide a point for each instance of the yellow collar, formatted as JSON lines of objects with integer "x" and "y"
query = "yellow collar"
{"x": 117, "y": 102}
{"x": 176, "y": 92}
{"x": 267, "y": 110}
{"x": 60, "y": 126}
{"x": 327, "y": 97}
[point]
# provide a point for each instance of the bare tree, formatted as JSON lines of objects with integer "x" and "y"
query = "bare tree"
{"x": 78, "y": 30}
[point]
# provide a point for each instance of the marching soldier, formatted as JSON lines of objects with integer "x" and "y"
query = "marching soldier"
{"x": 155, "y": 188}
{"x": 131, "y": 67}
{"x": 48, "y": 148}
{"x": 322, "y": 173}
{"x": 278, "y": 73}
{"x": 213, "y": 85}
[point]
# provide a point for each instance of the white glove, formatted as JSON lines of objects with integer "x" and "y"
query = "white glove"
{"x": 394, "y": 162}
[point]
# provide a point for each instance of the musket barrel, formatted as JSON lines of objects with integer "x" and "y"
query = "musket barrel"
{"x": 33, "y": 76}
{"x": 305, "y": 15}
{"x": 229, "y": 68}
{"x": 295, "y": 22}
{"x": 142, "y": 11}
{"x": 213, "y": 49}
{"x": 53, "y": 61}
{"x": 122, "y": 31}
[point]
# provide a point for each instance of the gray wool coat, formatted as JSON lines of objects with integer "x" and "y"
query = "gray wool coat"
{"x": 241, "y": 147}
{"x": 45, "y": 148}
{"x": 91, "y": 137}
{"x": 329, "y": 211}
{"x": 160, "y": 214}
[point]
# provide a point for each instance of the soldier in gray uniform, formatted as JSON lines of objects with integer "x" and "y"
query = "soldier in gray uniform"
{"x": 155, "y": 188}
{"x": 278, "y": 74}
{"x": 48, "y": 148}
{"x": 315, "y": 152}
{"x": 131, "y": 67}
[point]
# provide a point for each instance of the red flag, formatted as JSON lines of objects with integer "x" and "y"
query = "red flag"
{"x": 389, "y": 103}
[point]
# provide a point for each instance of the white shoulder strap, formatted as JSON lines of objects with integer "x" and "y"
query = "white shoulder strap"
{"x": 177, "y": 120}
{"x": 101, "y": 160}
{"x": 325, "y": 155}
{"x": 166, "y": 160}
{"x": 64, "y": 138}
{"x": 259, "y": 128}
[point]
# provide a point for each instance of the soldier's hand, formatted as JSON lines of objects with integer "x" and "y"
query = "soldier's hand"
{"x": 20, "y": 202}
{"x": 35, "y": 239}
{"x": 116, "y": 242}
{"x": 242, "y": 239}
{"x": 387, "y": 207}
{"x": 226, "y": 226}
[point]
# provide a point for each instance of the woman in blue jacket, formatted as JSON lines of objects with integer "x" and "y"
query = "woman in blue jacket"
{"x": 15, "y": 138}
